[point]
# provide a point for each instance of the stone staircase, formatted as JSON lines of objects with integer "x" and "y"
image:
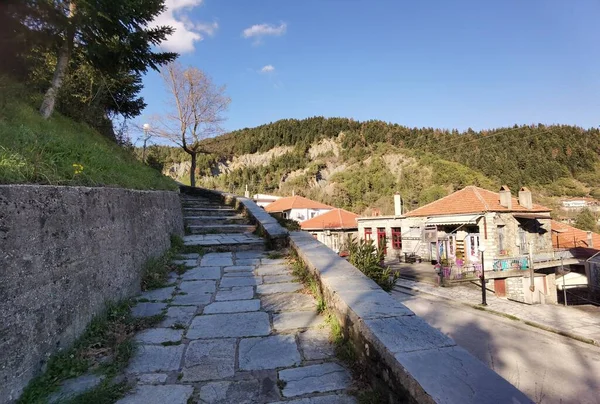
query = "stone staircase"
{"x": 217, "y": 227}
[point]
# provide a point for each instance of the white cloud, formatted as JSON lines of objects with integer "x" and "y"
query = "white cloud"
{"x": 187, "y": 32}
{"x": 260, "y": 30}
{"x": 267, "y": 69}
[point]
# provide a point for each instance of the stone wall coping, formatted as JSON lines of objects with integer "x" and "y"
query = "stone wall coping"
{"x": 428, "y": 365}
{"x": 272, "y": 229}
{"x": 82, "y": 188}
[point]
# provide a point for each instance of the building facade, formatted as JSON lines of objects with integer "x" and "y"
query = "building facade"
{"x": 333, "y": 228}
{"x": 297, "y": 208}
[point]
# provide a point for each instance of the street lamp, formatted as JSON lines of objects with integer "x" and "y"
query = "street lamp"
{"x": 483, "y": 297}
{"x": 146, "y": 127}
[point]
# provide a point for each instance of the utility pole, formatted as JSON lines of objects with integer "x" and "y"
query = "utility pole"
{"x": 531, "y": 270}
{"x": 146, "y": 127}
{"x": 562, "y": 269}
{"x": 483, "y": 292}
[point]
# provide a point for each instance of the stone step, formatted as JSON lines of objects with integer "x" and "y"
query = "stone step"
{"x": 187, "y": 205}
{"x": 226, "y": 242}
{"x": 220, "y": 228}
{"x": 210, "y": 212}
{"x": 215, "y": 220}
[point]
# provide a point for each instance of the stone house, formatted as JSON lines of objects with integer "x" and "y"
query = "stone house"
{"x": 297, "y": 208}
{"x": 332, "y": 228}
{"x": 385, "y": 231}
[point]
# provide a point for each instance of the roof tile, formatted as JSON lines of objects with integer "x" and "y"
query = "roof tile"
{"x": 334, "y": 219}
{"x": 295, "y": 202}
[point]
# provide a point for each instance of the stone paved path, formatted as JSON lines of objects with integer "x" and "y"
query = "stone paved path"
{"x": 567, "y": 319}
{"x": 237, "y": 330}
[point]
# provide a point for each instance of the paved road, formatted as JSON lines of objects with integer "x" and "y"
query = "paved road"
{"x": 545, "y": 366}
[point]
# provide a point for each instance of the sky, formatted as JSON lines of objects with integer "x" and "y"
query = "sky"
{"x": 444, "y": 64}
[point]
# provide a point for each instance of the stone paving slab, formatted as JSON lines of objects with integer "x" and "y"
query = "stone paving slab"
{"x": 298, "y": 319}
{"x": 209, "y": 360}
{"x": 314, "y": 379}
{"x": 230, "y": 325}
{"x": 315, "y": 344}
{"x": 278, "y": 278}
{"x": 172, "y": 394}
{"x": 240, "y": 392}
{"x": 236, "y": 293}
{"x": 147, "y": 309}
{"x": 239, "y": 268}
{"x": 208, "y": 286}
{"x": 158, "y": 294}
{"x": 192, "y": 299}
{"x": 249, "y": 254}
{"x": 159, "y": 335}
{"x": 328, "y": 399}
{"x": 156, "y": 358}
{"x": 272, "y": 270}
{"x": 272, "y": 352}
{"x": 278, "y": 288}
{"x": 178, "y": 315}
{"x": 202, "y": 273}
{"x": 232, "y": 306}
{"x": 74, "y": 387}
{"x": 277, "y": 261}
{"x": 187, "y": 263}
{"x": 248, "y": 274}
{"x": 288, "y": 302}
{"x": 152, "y": 378}
{"x": 247, "y": 261}
{"x": 230, "y": 282}
{"x": 216, "y": 262}
{"x": 189, "y": 256}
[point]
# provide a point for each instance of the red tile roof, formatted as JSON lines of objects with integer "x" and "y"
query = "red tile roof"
{"x": 295, "y": 202}
{"x": 471, "y": 199}
{"x": 334, "y": 219}
{"x": 565, "y": 236}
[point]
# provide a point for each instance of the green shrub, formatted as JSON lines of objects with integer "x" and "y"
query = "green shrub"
{"x": 366, "y": 257}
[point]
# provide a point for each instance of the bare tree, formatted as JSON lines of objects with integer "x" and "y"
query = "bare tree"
{"x": 196, "y": 108}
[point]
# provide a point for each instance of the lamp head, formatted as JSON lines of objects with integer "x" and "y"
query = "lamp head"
{"x": 146, "y": 126}
{"x": 482, "y": 248}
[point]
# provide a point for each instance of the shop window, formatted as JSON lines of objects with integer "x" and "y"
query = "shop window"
{"x": 396, "y": 238}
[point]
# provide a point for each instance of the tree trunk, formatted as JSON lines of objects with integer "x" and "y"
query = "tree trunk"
{"x": 193, "y": 170}
{"x": 62, "y": 63}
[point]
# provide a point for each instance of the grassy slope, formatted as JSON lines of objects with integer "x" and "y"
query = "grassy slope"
{"x": 34, "y": 150}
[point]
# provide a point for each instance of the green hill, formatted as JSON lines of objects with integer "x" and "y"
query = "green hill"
{"x": 60, "y": 151}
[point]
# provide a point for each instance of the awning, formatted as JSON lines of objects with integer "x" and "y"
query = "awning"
{"x": 453, "y": 219}
{"x": 542, "y": 215}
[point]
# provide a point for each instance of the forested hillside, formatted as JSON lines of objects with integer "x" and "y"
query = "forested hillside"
{"x": 358, "y": 165}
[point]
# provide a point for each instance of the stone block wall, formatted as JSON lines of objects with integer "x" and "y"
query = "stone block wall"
{"x": 514, "y": 289}
{"x": 64, "y": 252}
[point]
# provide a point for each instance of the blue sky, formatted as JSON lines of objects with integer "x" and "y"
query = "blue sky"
{"x": 448, "y": 64}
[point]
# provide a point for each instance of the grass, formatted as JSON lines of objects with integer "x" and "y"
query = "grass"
{"x": 105, "y": 347}
{"x": 60, "y": 151}
{"x": 273, "y": 255}
{"x": 105, "y": 393}
{"x": 155, "y": 272}
{"x": 300, "y": 271}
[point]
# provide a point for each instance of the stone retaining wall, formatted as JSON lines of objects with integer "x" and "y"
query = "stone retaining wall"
{"x": 404, "y": 357}
{"x": 64, "y": 252}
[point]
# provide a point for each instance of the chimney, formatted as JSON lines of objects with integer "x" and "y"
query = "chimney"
{"x": 246, "y": 192}
{"x": 590, "y": 239}
{"x": 397, "y": 205}
{"x": 525, "y": 199}
{"x": 505, "y": 197}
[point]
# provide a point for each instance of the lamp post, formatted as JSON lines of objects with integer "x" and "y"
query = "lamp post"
{"x": 146, "y": 127}
{"x": 483, "y": 296}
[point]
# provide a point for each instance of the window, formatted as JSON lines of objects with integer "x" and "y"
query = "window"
{"x": 396, "y": 238}
{"x": 368, "y": 233}
{"x": 381, "y": 242}
{"x": 285, "y": 215}
{"x": 313, "y": 214}
{"x": 500, "y": 232}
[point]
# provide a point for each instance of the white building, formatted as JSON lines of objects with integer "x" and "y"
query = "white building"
{"x": 263, "y": 200}
{"x": 297, "y": 208}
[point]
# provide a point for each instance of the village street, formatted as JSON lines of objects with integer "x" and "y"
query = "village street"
{"x": 549, "y": 368}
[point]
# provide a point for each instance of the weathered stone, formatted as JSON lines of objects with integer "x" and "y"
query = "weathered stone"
{"x": 178, "y": 315}
{"x": 278, "y": 288}
{"x": 249, "y": 254}
{"x": 459, "y": 378}
{"x": 268, "y": 353}
{"x": 296, "y": 319}
{"x": 74, "y": 387}
{"x": 200, "y": 273}
{"x": 198, "y": 286}
{"x": 230, "y": 325}
{"x": 238, "y": 274}
{"x": 236, "y": 293}
{"x": 276, "y": 261}
{"x": 155, "y": 358}
{"x": 172, "y": 394}
{"x": 232, "y": 306}
{"x": 288, "y": 302}
{"x": 217, "y": 259}
{"x": 147, "y": 309}
{"x": 209, "y": 360}
{"x": 245, "y": 262}
{"x": 239, "y": 268}
{"x": 173, "y": 277}
{"x": 226, "y": 392}
{"x": 314, "y": 379}
{"x": 239, "y": 281}
{"x": 372, "y": 304}
{"x": 159, "y": 335}
{"x": 406, "y": 334}
{"x": 192, "y": 299}
{"x": 315, "y": 344}
{"x": 158, "y": 294}
{"x": 189, "y": 256}
{"x": 278, "y": 278}
{"x": 328, "y": 399}
{"x": 272, "y": 270}
{"x": 152, "y": 378}
{"x": 187, "y": 263}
